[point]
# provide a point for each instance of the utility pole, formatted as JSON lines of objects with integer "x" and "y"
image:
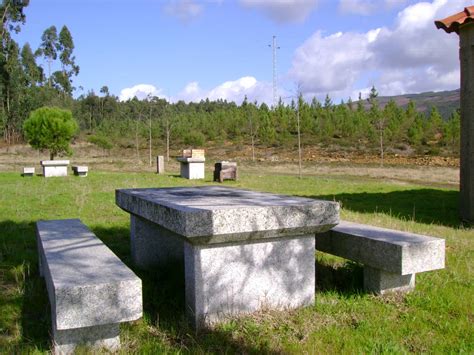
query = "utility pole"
{"x": 298, "y": 108}
{"x": 275, "y": 85}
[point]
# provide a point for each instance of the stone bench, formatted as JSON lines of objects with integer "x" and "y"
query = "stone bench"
{"x": 391, "y": 258}
{"x": 225, "y": 170}
{"x": 28, "y": 171}
{"x": 90, "y": 290}
{"x": 80, "y": 170}
{"x": 54, "y": 167}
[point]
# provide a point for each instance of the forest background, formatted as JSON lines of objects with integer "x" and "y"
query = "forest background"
{"x": 104, "y": 120}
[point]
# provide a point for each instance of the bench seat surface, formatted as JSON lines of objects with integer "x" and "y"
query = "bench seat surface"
{"x": 87, "y": 283}
{"x": 390, "y": 250}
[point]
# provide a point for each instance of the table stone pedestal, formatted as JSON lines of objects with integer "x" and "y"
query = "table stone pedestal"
{"x": 242, "y": 278}
{"x": 192, "y": 168}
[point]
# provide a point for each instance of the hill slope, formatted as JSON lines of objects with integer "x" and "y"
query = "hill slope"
{"x": 445, "y": 101}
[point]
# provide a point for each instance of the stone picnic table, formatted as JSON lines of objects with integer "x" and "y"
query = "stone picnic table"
{"x": 242, "y": 250}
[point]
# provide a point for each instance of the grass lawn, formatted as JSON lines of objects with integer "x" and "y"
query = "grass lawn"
{"x": 437, "y": 317}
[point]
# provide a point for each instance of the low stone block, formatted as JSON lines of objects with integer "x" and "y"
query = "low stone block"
{"x": 28, "y": 171}
{"x": 80, "y": 170}
{"x": 381, "y": 282}
{"x": 54, "y": 167}
{"x": 88, "y": 285}
{"x": 102, "y": 336}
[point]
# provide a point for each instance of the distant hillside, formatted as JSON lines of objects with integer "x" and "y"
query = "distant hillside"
{"x": 445, "y": 101}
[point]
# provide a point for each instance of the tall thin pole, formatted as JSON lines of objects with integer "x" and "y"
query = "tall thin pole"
{"x": 274, "y": 57}
{"x": 299, "y": 138}
{"x": 149, "y": 146}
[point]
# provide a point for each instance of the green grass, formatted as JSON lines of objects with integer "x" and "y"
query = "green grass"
{"x": 436, "y": 318}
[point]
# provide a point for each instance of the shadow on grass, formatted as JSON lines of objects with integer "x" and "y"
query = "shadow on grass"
{"x": 430, "y": 206}
{"x": 163, "y": 297}
{"x": 346, "y": 279}
{"x": 22, "y": 290}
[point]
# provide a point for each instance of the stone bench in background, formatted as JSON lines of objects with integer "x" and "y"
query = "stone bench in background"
{"x": 80, "y": 170}
{"x": 192, "y": 164}
{"x": 28, "y": 171}
{"x": 90, "y": 290}
{"x": 225, "y": 170}
{"x": 54, "y": 167}
{"x": 391, "y": 258}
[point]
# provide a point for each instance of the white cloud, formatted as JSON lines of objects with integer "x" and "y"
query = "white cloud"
{"x": 141, "y": 92}
{"x": 368, "y": 7}
{"x": 283, "y": 11}
{"x": 184, "y": 10}
{"x": 325, "y": 64}
{"x": 230, "y": 91}
{"x": 410, "y": 56}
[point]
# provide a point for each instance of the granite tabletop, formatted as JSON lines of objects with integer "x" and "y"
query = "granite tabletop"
{"x": 215, "y": 213}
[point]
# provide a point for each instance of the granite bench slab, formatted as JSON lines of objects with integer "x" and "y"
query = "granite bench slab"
{"x": 391, "y": 258}
{"x": 28, "y": 171}
{"x": 80, "y": 170}
{"x": 90, "y": 290}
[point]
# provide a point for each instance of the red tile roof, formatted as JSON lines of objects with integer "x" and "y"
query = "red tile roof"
{"x": 452, "y": 23}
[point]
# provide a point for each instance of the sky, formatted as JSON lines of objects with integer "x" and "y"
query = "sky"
{"x": 222, "y": 49}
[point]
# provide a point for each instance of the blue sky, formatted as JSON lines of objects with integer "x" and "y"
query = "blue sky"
{"x": 193, "y": 49}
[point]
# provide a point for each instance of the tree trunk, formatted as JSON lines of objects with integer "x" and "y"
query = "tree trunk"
{"x": 381, "y": 147}
{"x": 136, "y": 140}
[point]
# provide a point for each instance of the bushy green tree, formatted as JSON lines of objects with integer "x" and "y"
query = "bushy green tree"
{"x": 50, "y": 128}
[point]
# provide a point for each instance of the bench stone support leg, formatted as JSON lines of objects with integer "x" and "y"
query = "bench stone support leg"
{"x": 230, "y": 279}
{"x": 380, "y": 282}
{"x": 152, "y": 245}
{"x": 106, "y": 336}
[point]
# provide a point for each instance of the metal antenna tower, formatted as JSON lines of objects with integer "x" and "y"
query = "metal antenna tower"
{"x": 275, "y": 85}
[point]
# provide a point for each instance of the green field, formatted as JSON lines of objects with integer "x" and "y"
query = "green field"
{"x": 437, "y": 317}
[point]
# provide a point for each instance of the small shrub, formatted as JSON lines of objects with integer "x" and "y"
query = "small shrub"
{"x": 50, "y": 128}
{"x": 195, "y": 139}
{"x": 101, "y": 142}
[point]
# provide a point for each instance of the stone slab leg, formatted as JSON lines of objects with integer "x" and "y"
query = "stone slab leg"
{"x": 184, "y": 170}
{"x": 105, "y": 336}
{"x": 232, "y": 279}
{"x": 152, "y": 245}
{"x": 380, "y": 282}
{"x": 196, "y": 171}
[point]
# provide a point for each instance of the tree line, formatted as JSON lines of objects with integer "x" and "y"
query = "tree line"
{"x": 154, "y": 122}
